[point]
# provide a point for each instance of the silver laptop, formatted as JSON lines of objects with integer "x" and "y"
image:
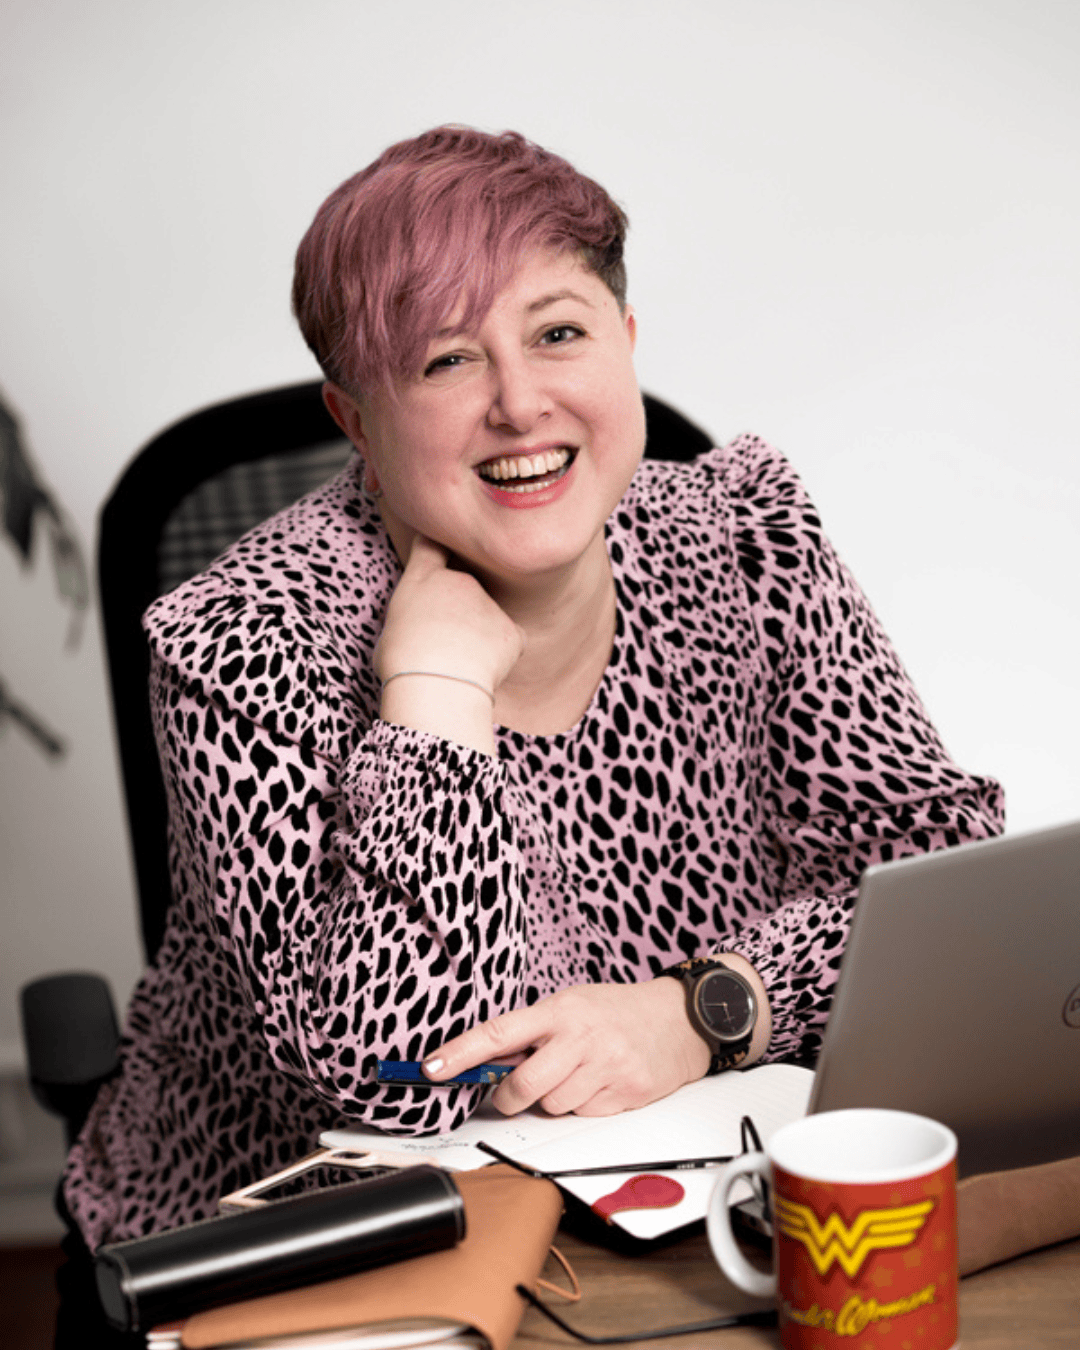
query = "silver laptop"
{"x": 959, "y": 998}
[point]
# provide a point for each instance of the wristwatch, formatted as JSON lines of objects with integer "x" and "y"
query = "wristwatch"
{"x": 721, "y": 1007}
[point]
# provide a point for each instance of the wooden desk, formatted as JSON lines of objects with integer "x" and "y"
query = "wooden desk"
{"x": 1032, "y": 1303}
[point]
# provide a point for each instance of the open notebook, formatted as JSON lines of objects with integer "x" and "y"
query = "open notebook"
{"x": 701, "y": 1119}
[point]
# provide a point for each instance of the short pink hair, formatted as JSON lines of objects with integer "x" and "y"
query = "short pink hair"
{"x": 436, "y": 221}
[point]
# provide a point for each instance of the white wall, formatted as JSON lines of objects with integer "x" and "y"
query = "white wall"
{"x": 855, "y": 231}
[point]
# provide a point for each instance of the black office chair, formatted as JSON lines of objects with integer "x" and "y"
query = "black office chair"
{"x": 190, "y": 493}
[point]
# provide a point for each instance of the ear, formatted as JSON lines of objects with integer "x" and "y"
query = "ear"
{"x": 345, "y": 411}
{"x": 630, "y": 320}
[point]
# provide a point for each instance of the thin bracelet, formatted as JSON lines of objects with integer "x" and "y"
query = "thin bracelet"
{"x": 441, "y": 675}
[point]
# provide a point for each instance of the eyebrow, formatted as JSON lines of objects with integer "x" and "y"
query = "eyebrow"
{"x": 555, "y": 297}
{"x": 534, "y": 306}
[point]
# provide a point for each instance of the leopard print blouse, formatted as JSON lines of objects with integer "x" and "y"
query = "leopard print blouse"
{"x": 346, "y": 890}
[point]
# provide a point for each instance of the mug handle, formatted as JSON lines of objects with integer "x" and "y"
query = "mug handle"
{"x": 721, "y": 1239}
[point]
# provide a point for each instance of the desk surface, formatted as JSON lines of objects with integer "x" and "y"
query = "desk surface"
{"x": 1032, "y": 1302}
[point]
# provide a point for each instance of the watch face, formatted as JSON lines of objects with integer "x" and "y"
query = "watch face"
{"x": 725, "y": 1005}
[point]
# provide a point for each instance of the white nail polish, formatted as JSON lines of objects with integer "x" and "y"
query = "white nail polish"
{"x": 432, "y": 1065}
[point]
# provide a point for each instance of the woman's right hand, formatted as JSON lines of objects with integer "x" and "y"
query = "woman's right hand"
{"x": 443, "y": 621}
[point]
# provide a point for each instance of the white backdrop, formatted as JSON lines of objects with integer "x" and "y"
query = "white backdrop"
{"x": 854, "y": 231}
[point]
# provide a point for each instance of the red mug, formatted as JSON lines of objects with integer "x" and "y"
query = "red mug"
{"x": 864, "y": 1231}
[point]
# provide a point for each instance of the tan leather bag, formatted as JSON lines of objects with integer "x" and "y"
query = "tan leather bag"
{"x": 1001, "y": 1214}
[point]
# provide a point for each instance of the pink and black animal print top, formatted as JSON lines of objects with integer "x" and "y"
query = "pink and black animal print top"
{"x": 347, "y": 890}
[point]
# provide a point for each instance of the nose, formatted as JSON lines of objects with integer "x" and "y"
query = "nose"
{"x": 518, "y": 399}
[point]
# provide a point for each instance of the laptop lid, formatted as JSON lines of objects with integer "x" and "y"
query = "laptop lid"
{"x": 959, "y": 998}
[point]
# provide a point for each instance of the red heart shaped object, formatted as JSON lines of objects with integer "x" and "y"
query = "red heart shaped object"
{"x": 646, "y": 1191}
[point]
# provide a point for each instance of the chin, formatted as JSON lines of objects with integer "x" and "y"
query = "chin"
{"x": 521, "y": 561}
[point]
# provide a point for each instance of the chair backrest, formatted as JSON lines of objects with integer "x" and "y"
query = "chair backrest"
{"x": 190, "y": 493}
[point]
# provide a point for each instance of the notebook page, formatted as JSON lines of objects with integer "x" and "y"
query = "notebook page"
{"x": 456, "y": 1150}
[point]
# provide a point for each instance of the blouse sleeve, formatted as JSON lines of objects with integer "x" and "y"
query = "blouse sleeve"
{"x": 363, "y": 908}
{"x": 854, "y": 772}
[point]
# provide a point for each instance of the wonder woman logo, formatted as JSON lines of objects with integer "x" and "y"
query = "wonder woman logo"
{"x": 873, "y": 1230}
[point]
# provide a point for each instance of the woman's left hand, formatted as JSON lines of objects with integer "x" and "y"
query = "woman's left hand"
{"x": 596, "y": 1049}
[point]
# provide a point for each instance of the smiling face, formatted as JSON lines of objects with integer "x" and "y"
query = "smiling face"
{"x": 514, "y": 443}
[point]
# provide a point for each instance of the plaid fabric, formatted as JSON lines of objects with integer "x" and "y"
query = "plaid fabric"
{"x": 226, "y": 506}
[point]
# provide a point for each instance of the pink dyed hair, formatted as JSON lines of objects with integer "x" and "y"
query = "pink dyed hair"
{"x": 434, "y": 221}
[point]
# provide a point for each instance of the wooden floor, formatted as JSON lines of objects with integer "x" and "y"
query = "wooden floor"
{"x": 28, "y": 1297}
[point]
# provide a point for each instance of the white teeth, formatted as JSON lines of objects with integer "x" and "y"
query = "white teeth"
{"x": 526, "y": 487}
{"x": 524, "y": 466}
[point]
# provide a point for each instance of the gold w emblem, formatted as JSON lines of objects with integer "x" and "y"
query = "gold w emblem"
{"x": 833, "y": 1240}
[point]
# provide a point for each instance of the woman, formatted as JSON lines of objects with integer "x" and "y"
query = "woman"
{"x": 468, "y": 747}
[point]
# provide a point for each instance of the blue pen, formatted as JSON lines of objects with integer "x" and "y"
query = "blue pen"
{"x": 409, "y": 1071}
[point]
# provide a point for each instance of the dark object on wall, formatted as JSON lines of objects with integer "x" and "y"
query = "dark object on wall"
{"x": 23, "y": 494}
{"x": 24, "y": 500}
{"x": 38, "y": 732}
{"x": 305, "y": 1239}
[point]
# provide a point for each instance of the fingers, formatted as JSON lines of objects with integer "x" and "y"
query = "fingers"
{"x": 498, "y": 1039}
{"x": 549, "y": 1076}
{"x": 438, "y": 614}
{"x": 555, "y": 1077}
{"x": 562, "y": 1074}
{"x": 426, "y": 556}
{"x": 575, "y": 1077}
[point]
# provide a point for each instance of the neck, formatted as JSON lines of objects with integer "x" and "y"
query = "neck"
{"x": 569, "y": 621}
